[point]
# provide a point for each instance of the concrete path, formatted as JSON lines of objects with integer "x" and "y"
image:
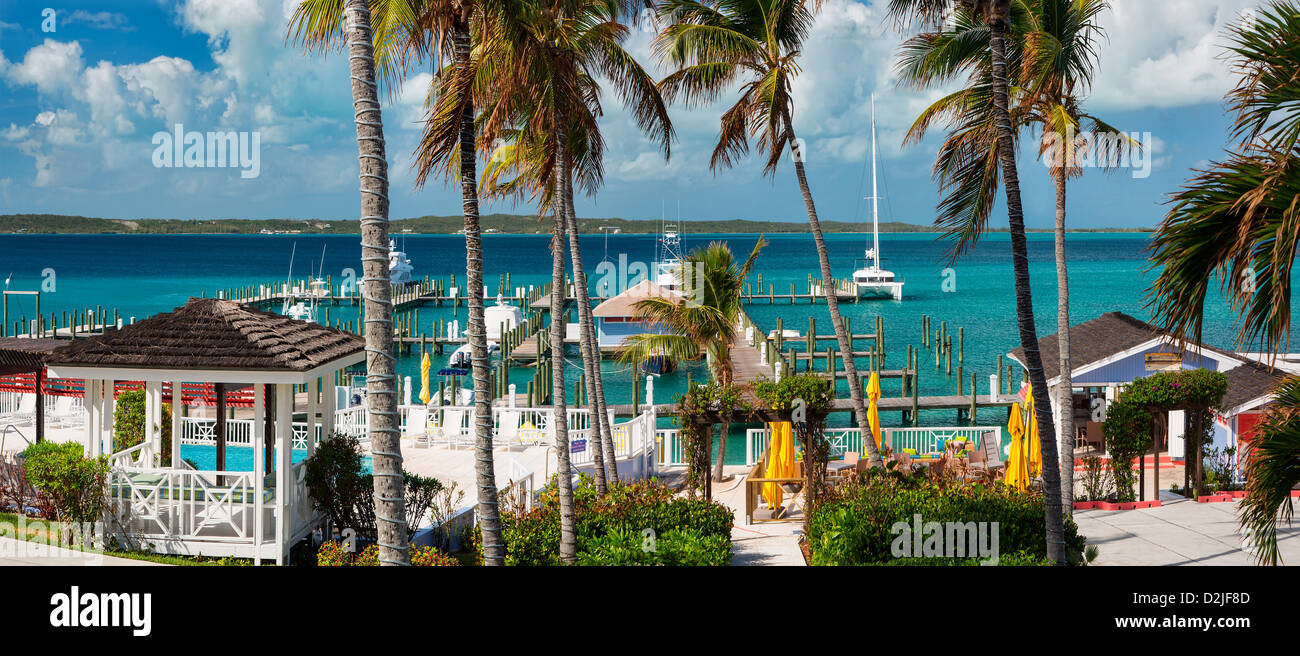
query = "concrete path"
{"x": 21, "y": 553}
{"x": 761, "y": 543}
{"x": 1179, "y": 532}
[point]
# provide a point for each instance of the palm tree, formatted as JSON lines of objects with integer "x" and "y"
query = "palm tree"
{"x": 451, "y": 117}
{"x": 757, "y": 43}
{"x": 1053, "y": 57}
{"x": 315, "y": 31}
{"x": 701, "y": 323}
{"x": 996, "y": 14}
{"x": 1234, "y": 221}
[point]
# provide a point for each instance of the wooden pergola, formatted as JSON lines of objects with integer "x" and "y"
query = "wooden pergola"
{"x": 221, "y": 342}
{"x": 20, "y": 355}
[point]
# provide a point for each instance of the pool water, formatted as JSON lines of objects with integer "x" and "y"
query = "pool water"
{"x": 240, "y": 458}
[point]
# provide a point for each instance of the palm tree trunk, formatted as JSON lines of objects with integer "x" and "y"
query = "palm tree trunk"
{"x": 1066, "y": 394}
{"x": 1024, "y": 300}
{"x": 381, "y": 377}
{"x": 723, "y": 375}
{"x": 563, "y": 469}
{"x": 833, "y": 305}
{"x": 603, "y": 454}
{"x": 494, "y": 552}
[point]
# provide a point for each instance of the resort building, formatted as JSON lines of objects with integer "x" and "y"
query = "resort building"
{"x": 1115, "y": 348}
{"x": 616, "y": 317}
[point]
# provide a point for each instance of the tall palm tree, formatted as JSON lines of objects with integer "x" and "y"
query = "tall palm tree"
{"x": 451, "y": 115}
{"x": 701, "y": 323}
{"x": 717, "y": 43}
{"x": 1053, "y": 58}
{"x": 996, "y": 14}
{"x": 1235, "y": 221}
{"x": 316, "y": 31}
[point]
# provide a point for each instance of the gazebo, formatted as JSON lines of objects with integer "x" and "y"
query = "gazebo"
{"x": 171, "y": 506}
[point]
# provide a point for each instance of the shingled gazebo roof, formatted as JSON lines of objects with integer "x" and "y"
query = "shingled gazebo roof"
{"x": 211, "y": 334}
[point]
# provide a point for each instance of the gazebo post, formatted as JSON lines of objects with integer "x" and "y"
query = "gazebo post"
{"x": 105, "y": 444}
{"x": 327, "y": 401}
{"x": 267, "y": 443}
{"x": 153, "y": 418}
{"x": 40, "y": 404}
{"x": 178, "y": 428}
{"x": 313, "y": 391}
{"x": 283, "y": 467}
{"x": 259, "y": 432}
{"x": 220, "y": 428}
{"x": 90, "y": 394}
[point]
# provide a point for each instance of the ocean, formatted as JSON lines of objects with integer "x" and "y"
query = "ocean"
{"x": 145, "y": 274}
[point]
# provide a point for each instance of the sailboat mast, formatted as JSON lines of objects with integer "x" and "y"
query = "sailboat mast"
{"x": 875, "y": 197}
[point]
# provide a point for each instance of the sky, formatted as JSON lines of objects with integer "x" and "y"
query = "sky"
{"x": 92, "y": 92}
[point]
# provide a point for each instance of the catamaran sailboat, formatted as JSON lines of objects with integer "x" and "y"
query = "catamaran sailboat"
{"x": 870, "y": 278}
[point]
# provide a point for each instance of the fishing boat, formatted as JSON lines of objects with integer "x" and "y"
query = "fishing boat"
{"x": 399, "y": 265}
{"x": 501, "y": 318}
{"x": 871, "y": 279}
{"x": 463, "y": 356}
{"x": 668, "y": 256}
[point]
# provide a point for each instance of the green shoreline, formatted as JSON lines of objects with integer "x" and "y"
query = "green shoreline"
{"x": 514, "y": 224}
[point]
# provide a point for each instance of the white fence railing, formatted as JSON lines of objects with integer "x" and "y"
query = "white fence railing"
{"x": 921, "y": 440}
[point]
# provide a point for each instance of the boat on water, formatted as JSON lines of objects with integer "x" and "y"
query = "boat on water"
{"x": 300, "y": 303}
{"x": 502, "y": 317}
{"x": 668, "y": 258}
{"x": 872, "y": 280}
{"x": 463, "y": 356}
{"x": 399, "y": 265}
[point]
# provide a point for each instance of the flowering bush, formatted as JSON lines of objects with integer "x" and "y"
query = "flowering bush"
{"x": 332, "y": 554}
{"x": 613, "y": 529}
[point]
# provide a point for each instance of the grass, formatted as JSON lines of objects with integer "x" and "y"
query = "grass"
{"x": 47, "y": 532}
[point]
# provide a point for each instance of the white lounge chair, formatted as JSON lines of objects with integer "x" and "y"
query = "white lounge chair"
{"x": 507, "y": 434}
{"x": 24, "y": 416}
{"x": 416, "y": 430}
{"x": 67, "y": 413}
{"x": 451, "y": 426}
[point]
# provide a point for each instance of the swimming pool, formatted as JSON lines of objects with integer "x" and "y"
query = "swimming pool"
{"x": 240, "y": 458}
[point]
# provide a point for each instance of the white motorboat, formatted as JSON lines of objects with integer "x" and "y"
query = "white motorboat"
{"x": 871, "y": 279}
{"x": 399, "y": 265}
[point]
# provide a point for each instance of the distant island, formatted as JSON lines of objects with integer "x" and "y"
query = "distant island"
{"x": 517, "y": 224}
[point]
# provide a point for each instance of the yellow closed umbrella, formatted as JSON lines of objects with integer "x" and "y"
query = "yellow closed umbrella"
{"x": 1035, "y": 454}
{"x": 425, "y": 365}
{"x": 873, "y": 411}
{"x": 780, "y": 461}
{"x": 1017, "y": 471}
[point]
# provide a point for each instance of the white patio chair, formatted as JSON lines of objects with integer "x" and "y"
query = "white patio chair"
{"x": 67, "y": 413}
{"x": 416, "y": 430}
{"x": 507, "y": 433}
{"x": 451, "y": 426}
{"x": 24, "y": 416}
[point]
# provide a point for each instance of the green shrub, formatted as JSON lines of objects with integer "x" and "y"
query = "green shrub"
{"x": 75, "y": 484}
{"x": 854, "y": 524}
{"x": 339, "y": 487}
{"x": 333, "y": 554}
{"x": 1128, "y": 435}
{"x": 129, "y": 420}
{"x": 611, "y": 529}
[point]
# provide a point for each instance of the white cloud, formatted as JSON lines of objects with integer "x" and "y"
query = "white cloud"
{"x": 100, "y": 20}
{"x": 52, "y": 67}
{"x": 1164, "y": 54}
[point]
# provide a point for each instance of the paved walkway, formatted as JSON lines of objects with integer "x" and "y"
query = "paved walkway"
{"x": 1179, "y": 532}
{"x": 761, "y": 543}
{"x": 20, "y": 553}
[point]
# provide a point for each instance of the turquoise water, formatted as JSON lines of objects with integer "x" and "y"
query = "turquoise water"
{"x": 145, "y": 274}
{"x": 238, "y": 458}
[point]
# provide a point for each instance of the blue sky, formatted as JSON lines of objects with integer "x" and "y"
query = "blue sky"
{"x": 80, "y": 108}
